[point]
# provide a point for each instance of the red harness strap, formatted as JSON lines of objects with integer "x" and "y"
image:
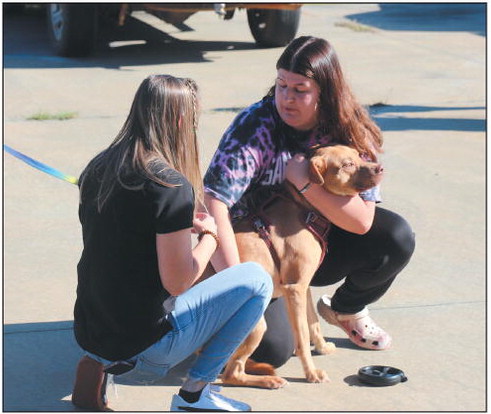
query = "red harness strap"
{"x": 318, "y": 225}
{"x": 262, "y": 226}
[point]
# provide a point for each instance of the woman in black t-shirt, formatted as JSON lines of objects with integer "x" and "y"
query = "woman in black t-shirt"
{"x": 138, "y": 308}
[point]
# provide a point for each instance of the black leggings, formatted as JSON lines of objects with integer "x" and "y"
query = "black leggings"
{"x": 368, "y": 264}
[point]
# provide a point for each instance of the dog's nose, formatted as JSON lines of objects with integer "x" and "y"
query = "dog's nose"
{"x": 379, "y": 169}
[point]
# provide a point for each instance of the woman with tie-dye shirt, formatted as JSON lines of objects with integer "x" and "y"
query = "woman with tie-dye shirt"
{"x": 311, "y": 104}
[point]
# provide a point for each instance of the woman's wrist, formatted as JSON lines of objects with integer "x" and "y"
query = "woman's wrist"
{"x": 297, "y": 173}
{"x": 210, "y": 233}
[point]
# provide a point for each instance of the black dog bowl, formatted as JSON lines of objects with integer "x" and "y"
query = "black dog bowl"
{"x": 381, "y": 375}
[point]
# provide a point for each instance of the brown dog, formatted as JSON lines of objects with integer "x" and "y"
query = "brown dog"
{"x": 291, "y": 254}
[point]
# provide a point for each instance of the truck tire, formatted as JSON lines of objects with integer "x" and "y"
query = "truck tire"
{"x": 72, "y": 28}
{"x": 13, "y": 8}
{"x": 273, "y": 28}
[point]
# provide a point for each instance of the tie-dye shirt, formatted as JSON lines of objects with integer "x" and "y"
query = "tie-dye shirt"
{"x": 253, "y": 152}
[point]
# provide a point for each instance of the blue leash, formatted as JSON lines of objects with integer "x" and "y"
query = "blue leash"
{"x": 40, "y": 166}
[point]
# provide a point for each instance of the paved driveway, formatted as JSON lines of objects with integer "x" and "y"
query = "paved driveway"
{"x": 421, "y": 67}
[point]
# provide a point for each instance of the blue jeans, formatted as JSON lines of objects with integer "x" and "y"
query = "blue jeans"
{"x": 214, "y": 316}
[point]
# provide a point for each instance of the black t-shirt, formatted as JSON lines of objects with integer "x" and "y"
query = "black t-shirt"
{"x": 119, "y": 308}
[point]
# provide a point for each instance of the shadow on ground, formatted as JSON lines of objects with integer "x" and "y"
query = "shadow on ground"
{"x": 26, "y": 44}
{"x": 39, "y": 366}
{"x": 395, "y": 118}
{"x": 446, "y": 17}
{"x": 39, "y": 362}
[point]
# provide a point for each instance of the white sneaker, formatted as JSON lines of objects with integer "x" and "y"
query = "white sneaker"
{"x": 210, "y": 400}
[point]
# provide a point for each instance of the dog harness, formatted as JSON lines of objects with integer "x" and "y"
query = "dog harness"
{"x": 318, "y": 225}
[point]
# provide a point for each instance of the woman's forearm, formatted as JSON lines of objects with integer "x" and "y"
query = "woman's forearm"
{"x": 352, "y": 214}
{"x": 180, "y": 265}
{"x": 228, "y": 254}
{"x": 202, "y": 253}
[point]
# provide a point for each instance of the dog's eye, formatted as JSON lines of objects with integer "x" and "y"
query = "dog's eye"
{"x": 348, "y": 164}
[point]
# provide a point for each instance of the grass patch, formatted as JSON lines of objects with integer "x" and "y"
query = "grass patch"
{"x": 235, "y": 109}
{"x": 356, "y": 27}
{"x": 46, "y": 116}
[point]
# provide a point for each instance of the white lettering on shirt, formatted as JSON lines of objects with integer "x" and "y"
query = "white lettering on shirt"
{"x": 276, "y": 173}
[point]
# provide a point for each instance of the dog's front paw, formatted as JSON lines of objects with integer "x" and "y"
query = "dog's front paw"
{"x": 325, "y": 348}
{"x": 317, "y": 375}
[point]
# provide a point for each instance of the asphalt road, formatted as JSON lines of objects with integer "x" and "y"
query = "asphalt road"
{"x": 421, "y": 69}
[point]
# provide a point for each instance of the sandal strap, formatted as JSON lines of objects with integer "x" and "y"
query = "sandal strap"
{"x": 362, "y": 323}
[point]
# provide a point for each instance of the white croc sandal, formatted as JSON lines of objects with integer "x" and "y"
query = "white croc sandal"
{"x": 360, "y": 327}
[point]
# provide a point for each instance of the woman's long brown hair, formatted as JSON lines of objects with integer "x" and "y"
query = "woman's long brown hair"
{"x": 159, "y": 130}
{"x": 340, "y": 113}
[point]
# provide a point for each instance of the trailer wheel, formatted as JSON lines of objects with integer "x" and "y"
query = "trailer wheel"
{"x": 272, "y": 28}
{"x": 72, "y": 28}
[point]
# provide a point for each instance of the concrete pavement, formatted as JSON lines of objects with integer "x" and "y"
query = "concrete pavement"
{"x": 422, "y": 69}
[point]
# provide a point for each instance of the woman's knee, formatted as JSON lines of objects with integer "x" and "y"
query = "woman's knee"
{"x": 399, "y": 237}
{"x": 278, "y": 343}
{"x": 275, "y": 354}
{"x": 274, "y": 350}
{"x": 260, "y": 279}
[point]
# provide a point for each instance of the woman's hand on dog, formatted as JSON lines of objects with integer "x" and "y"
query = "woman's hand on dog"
{"x": 297, "y": 170}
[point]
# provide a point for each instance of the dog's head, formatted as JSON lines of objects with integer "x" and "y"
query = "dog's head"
{"x": 340, "y": 170}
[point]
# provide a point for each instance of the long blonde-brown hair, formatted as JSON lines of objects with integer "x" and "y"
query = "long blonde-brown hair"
{"x": 160, "y": 130}
{"x": 340, "y": 113}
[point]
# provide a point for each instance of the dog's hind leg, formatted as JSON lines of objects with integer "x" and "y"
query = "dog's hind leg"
{"x": 235, "y": 370}
{"x": 320, "y": 344}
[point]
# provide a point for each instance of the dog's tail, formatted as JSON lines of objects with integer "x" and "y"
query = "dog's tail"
{"x": 259, "y": 368}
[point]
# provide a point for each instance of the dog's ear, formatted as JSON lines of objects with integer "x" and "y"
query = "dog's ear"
{"x": 316, "y": 170}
